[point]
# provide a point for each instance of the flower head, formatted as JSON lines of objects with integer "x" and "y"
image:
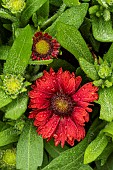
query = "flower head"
{"x": 8, "y": 159}
{"x": 14, "y": 6}
{"x": 44, "y": 47}
{"x": 59, "y": 107}
{"x": 13, "y": 84}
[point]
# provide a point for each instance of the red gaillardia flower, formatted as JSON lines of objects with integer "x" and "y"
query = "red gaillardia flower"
{"x": 60, "y": 107}
{"x": 44, "y": 47}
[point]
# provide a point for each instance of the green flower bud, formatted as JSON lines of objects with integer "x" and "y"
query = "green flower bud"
{"x": 14, "y": 6}
{"x": 13, "y": 85}
{"x": 8, "y": 159}
{"x": 104, "y": 70}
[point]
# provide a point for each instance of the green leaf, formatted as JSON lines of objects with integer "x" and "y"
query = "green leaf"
{"x": 106, "y": 102}
{"x": 71, "y": 2}
{"x": 108, "y": 165}
{"x": 8, "y": 136}
{"x": 109, "y": 128}
{"x": 70, "y": 38}
{"x": 17, "y": 107}
{"x": 105, "y": 154}
{"x": 19, "y": 53}
{"x": 6, "y": 15}
{"x": 102, "y": 30}
{"x": 89, "y": 69}
{"x": 29, "y": 149}
{"x": 69, "y": 159}
{"x": 53, "y": 150}
{"x": 57, "y": 63}
{"x": 95, "y": 148}
{"x": 40, "y": 62}
{"x": 85, "y": 167}
{"x": 4, "y": 99}
{"x": 73, "y": 16}
{"x": 4, "y": 50}
{"x": 109, "y": 55}
{"x": 31, "y": 7}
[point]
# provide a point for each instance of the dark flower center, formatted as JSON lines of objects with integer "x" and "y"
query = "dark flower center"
{"x": 62, "y": 104}
{"x": 42, "y": 47}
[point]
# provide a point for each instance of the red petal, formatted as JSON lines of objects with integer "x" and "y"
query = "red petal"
{"x": 80, "y": 116}
{"x": 42, "y": 117}
{"x": 47, "y": 83}
{"x": 60, "y": 134}
{"x": 39, "y": 103}
{"x": 33, "y": 114}
{"x": 86, "y": 93}
{"x": 49, "y": 128}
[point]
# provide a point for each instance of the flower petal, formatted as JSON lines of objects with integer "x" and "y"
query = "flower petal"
{"x": 49, "y": 128}
{"x": 86, "y": 93}
{"x": 39, "y": 102}
{"x": 42, "y": 117}
{"x": 80, "y": 116}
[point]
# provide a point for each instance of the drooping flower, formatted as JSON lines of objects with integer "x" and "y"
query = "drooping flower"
{"x": 44, "y": 47}
{"x": 59, "y": 107}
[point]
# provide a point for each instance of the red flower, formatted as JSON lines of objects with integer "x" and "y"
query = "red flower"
{"x": 60, "y": 107}
{"x": 44, "y": 47}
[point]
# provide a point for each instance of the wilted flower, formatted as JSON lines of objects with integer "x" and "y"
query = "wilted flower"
{"x": 44, "y": 47}
{"x": 60, "y": 108}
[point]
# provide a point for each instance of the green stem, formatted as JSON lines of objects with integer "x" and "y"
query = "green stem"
{"x": 54, "y": 17}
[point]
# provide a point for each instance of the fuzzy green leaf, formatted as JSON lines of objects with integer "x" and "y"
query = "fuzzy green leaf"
{"x": 6, "y": 15}
{"x": 57, "y": 63}
{"x": 71, "y": 2}
{"x": 40, "y": 62}
{"x": 109, "y": 128}
{"x": 4, "y": 99}
{"x": 102, "y": 30}
{"x": 73, "y": 16}
{"x": 85, "y": 167}
{"x": 105, "y": 154}
{"x": 8, "y": 136}
{"x": 106, "y": 102}
{"x": 95, "y": 148}
{"x": 108, "y": 165}
{"x": 89, "y": 69}
{"x": 29, "y": 149}
{"x": 53, "y": 150}
{"x": 4, "y": 50}
{"x": 31, "y": 7}
{"x": 70, "y": 38}
{"x": 17, "y": 107}
{"x": 19, "y": 53}
{"x": 69, "y": 159}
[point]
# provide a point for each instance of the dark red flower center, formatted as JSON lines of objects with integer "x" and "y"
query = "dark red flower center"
{"x": 62, "y": 104}
{"x": 42, "y": 47}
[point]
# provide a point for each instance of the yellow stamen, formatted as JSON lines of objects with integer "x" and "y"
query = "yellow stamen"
{"x": 42, "y": 47}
